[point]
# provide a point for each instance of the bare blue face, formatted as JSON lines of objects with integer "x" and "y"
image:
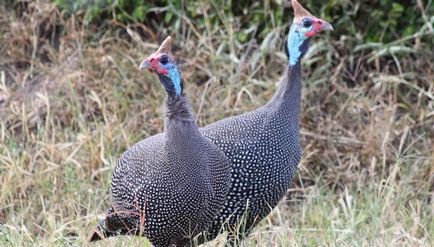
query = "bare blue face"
{"x": 296, "y": 38}
{"x": 300, "y": 32}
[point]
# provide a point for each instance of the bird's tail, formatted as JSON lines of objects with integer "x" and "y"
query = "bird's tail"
{"x": 100, "y": 232}
{"x": 115, "y": 224}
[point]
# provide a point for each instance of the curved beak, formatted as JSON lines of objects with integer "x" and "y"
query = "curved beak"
{"x": 325, "y": 26}
{"x": 145, "y": 65}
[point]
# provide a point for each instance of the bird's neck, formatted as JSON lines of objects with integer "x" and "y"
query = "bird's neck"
{"x": 177, "y": 109}
{"x": 288, "y": 95}
{"x": 182, "y": 136}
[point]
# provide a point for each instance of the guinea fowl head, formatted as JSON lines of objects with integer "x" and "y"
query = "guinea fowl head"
{"x": 304, "y": 26}
{"x": 163, "y": 64}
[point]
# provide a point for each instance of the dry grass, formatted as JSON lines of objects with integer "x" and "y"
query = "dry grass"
{"x": 72, "y": 100}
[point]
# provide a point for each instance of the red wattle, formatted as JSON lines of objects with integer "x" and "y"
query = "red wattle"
{"x": 310, "y": 34}
{"x": 154, "y": 65}
{"x": 162, "y": 71}
{"x": 316, "y": 28}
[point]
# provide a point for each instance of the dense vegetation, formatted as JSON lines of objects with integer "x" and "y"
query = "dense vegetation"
{"x": 72, "y": 100}
{"x": 376, "y": 21}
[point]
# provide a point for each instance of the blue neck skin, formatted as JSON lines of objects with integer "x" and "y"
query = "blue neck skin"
{"x": 172, "y": 81}
{"x": 288, "y": 95}
{"x": 295, "y": 45}
{"x": 176, "y": 79}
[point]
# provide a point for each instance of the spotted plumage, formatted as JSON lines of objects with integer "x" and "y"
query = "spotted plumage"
{"x": 263, "y": 145}
{"x": 167, "y": 187}
{"x": 264, "y": 149}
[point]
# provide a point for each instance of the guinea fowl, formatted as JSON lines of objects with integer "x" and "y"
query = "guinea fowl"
{"x": 167, "y": 187}
{"x": 263, "y": 145}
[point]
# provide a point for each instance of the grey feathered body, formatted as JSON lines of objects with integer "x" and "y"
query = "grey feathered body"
{"x": 264, "y": 149}
{"x": 170, "y": 185}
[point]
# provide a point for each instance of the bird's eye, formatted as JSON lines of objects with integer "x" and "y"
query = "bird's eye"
{"x": 307, "y": 23}
{"x": 164, "y": 59}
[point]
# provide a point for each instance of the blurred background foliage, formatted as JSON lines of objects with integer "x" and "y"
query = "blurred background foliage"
{"x": 369, "y": 20}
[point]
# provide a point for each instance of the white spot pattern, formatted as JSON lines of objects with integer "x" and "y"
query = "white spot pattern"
{"x": 264, "y": 148}
{"x": 171, "y": 185}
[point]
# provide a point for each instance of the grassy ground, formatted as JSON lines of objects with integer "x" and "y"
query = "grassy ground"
{"x": 72, "y": 100}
